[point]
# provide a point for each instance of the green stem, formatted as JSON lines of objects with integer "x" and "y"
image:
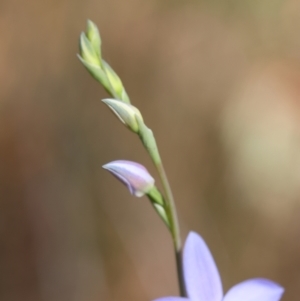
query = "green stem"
{"x": 149, "y": 141}
{"x": 170, "y": 206}
{"x": 174, "y": 225}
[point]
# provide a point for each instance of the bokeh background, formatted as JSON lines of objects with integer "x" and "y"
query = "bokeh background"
{"x": 218, "y": 82}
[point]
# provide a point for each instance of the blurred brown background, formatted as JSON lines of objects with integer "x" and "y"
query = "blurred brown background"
{"x": 218, "y": 82}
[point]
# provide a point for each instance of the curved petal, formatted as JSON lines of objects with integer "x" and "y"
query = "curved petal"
{"x": 202, "y": 279}
{"x": 171, "y": 299}
{"x": 134, "y": 175}
{"x": 258, "y": 289}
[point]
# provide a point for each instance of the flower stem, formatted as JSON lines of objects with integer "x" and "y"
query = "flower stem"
{"x": 149, "y": 141}
{"x": 170, "y": 206}
{"x": 179, "y": 266}
{"x": 174, "y": 225}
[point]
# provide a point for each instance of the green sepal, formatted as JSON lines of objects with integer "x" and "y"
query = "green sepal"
{"x": 115, "y": 82}
{"x": 125, "y": 96}
{"x": 99, "y": 75}
{"x": 162, "y": 213}
{"x": 155, "y": 196}
{"x": 158, "y": 202}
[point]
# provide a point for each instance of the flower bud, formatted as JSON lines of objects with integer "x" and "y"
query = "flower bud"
{"x": 87, "y": 51}
{"x": 135, "y": 176}
{"x": 92, "y": 33}
{"x": 127, "y": 113}
{"x": 114, "y": 80}
{"x": 91, "y": 58}
{"x": 98, "y": 74}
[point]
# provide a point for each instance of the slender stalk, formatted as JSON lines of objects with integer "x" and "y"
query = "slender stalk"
{"x": 149, "y": 141}
{"x": 174, "y": 225}
{"x": 170, "y": 204}
{"x": 179, "y": 266}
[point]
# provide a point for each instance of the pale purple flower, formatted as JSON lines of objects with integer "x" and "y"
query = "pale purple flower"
{"x": 134, "y": 175}
{"x": 203, "y": 282}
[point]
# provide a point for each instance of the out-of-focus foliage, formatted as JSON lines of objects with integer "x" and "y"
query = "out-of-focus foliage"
{"x": 217, "y": 81}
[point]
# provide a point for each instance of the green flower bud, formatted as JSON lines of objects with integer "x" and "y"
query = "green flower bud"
{"x": 128, "y": 114}
{"x": 115, "y": 82}
{"x": 90, "y": 56}
{"x": 97, "y": 73}
{"x": 87, "y": 52}
{"x": 92, "y": 33}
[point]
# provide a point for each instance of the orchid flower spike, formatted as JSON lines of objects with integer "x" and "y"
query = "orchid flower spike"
{"x": 203, "y": 283}
{"x": 135, "y": 176}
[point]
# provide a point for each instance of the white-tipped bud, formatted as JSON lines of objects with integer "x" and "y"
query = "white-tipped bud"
{"x": 127, "y": 113}
{"x": 135, "y": 176}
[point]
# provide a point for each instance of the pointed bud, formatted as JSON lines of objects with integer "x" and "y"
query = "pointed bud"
{"x": 93, "y": 36}
{"x": 96, "y": 72}
{"x": 127, "y": 113}
{"x": 87, "y": 51}
{"x": 135, "y": 176}
{"x": 115, "y": 82}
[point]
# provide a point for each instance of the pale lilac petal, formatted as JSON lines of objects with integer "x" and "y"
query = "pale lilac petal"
{"x": 135, "y": 176}
{"x": 201, "y": 275}
{"x": 255, "y": 290}
{"x": 171, "y": 299}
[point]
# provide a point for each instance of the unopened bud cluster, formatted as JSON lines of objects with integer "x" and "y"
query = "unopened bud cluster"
{"x": 91, "y": 57}
{"x": 133, "y": 175}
